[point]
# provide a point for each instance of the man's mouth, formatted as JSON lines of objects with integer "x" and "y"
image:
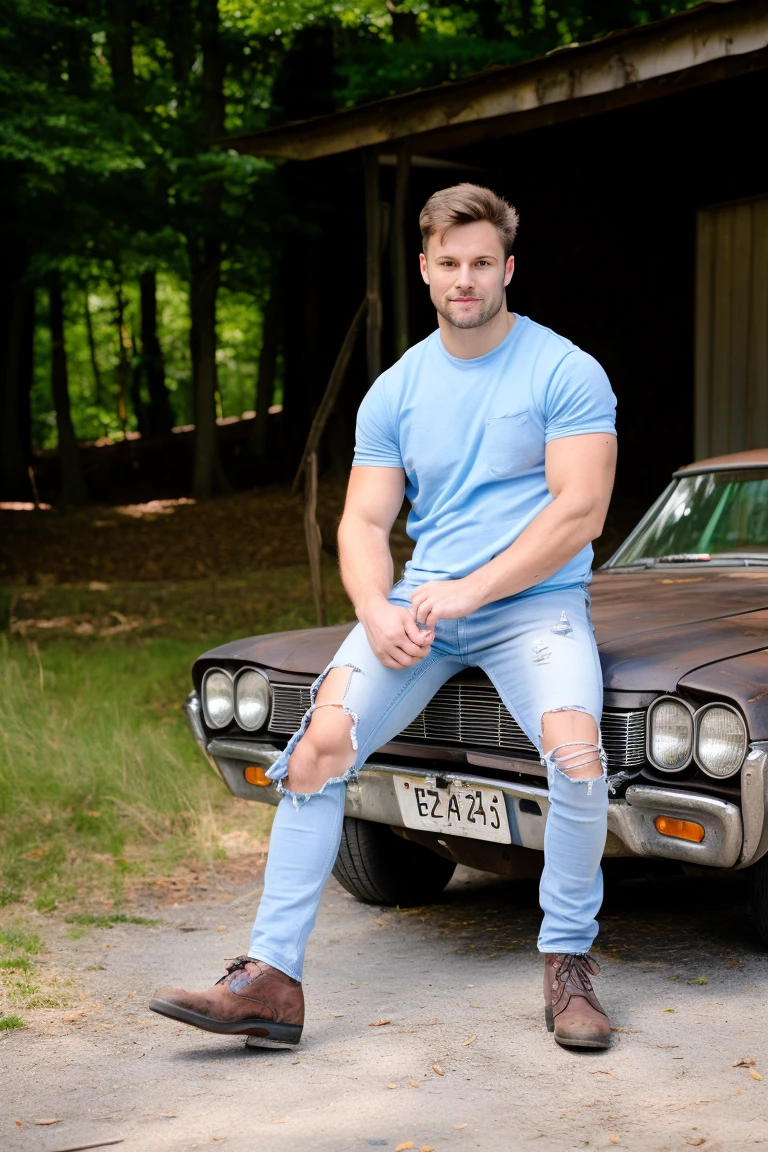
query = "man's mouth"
{"x": 464, "y": 300}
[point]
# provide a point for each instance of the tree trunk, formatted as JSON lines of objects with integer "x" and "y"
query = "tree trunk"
{"x": 73, "y": 490}
{"x": 205, "y": 266}
{"x": 265, "y": 385}
{"x": 204, "y": 285}
{"x": 14, "y": 479}
{"x": 159, "y": 417}
{"x": 124, "y": 374}
{"x": 97, "y": 382}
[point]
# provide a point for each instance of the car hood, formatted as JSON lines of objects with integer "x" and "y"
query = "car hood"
{"x": 652, "y": 627}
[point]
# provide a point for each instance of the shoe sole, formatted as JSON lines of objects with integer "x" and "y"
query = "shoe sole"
{"x": 259, "y": 1030}
{"x": 572, "y": 1043}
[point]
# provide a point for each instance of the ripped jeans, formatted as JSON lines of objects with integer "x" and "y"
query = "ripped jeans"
{"x": 539, "y": 651}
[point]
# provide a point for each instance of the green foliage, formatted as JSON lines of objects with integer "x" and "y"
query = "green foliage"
{"x": 8, "y": 1023}
{"x": 89, "y": 921}
{"x": 108, "y": 169}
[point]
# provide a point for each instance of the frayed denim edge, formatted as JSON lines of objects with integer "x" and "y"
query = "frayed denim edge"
{"x": 279, "y": 769}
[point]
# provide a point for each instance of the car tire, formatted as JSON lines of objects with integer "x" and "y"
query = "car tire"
{"x": 379, "y": 867}
{"x": 757, "y": 890}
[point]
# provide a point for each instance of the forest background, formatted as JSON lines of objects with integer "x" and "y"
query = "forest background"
{"x": 148, "y": 270}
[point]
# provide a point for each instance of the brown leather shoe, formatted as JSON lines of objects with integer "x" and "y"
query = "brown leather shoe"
{"x": 253, "y": 1000}
{"x": 572, "y": 1010}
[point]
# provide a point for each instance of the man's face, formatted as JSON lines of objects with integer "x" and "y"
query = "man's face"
{"x": 467, "y": 273}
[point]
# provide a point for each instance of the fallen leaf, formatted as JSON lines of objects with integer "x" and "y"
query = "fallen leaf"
{"x": 742, "y": 1062}
{"x": 404, "y": 1147}
{"x": 48, "y": 1121}
{"x": 295, "y": 1061}
{"x": 282, "y": 1120}
{"x": 667, "y": 1009}
{"x": 614, "y": 1139}
{"x": 740, "y": 1092}
{"x": 426, "y": 1148}
{"x": 379, "y": 1023}
{"x": 755, "y": 1074}
{"x": 18, "y": 1123}
{"x": 470, "y": 1041}
{"x": 459, "y": 1127}
{"x": 602, "y": 1072}
{"x": 391, "y": 1085}
{"x": 695, "y": 1141}
{"x": 436, "y": 1068}
{"x": 699, "y": 980}
{"x": 223, "y": 928}
{"x": 414, "y": 1084}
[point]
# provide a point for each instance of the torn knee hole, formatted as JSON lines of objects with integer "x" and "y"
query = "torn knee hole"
{"x": 572, "y": 758}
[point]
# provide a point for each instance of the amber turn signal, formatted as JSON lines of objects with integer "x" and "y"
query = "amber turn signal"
{"x": 680, "y": 829}
{"x": 257, "y": 775}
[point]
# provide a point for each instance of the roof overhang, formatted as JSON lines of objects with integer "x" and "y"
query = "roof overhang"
{"x": 713, "y": 42}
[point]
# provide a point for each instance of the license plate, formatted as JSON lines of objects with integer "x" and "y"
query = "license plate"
{"x": 479, "y": 813}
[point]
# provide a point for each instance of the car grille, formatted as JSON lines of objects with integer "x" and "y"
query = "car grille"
{"x": 474, "y": 714}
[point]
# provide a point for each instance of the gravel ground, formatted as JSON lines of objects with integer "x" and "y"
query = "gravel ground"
{"x": 463, "y": 1062}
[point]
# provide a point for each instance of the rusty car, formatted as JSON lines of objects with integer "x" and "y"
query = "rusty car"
{"x": 680, "y": 613}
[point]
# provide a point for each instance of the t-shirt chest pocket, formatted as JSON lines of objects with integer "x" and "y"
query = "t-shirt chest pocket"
{"x": 512, "y": 444}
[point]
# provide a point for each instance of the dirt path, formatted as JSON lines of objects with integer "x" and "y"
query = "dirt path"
{"x": 464, "y": 1061}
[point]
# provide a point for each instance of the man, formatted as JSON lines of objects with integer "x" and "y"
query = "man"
{"x": 501, "y": 434}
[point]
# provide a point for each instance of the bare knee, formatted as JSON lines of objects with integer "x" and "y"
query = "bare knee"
{"x": 327, "y": 748}
{"x": 573, "y": 737}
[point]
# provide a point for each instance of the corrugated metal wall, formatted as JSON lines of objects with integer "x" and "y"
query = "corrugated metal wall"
{"x": 732, "y": 329}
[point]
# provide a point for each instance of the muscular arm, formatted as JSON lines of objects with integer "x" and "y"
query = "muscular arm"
{"x": 374, "y": 498}
{"x": 580, "y": 471}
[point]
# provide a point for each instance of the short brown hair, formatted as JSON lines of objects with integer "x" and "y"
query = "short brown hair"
{"x": 463, "y": 204}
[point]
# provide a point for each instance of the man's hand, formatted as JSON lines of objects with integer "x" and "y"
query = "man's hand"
{"x": 443, "y": 600}
{"x": 394, "y": 636}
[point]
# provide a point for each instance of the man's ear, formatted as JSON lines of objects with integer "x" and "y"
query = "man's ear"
{"x": 423, "y": 266}
{"x": 509, "y": 270}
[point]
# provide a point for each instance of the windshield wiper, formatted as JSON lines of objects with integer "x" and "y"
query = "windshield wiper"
{"x": 684, "y": 558}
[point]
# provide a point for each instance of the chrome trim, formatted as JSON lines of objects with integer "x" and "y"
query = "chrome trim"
{"x": 696, "y": 720}
{"x": 631, "y": 829}
{"x": 651, "y": 708}
{"x": 702, "y": 470}
{"x": 192, "y": 709}
{"x": 754, "y": 803}
{"x": 632, "y": 820}
{"x": 473, "y": 715}
{"x": 208, "y": 720}
{"x": 235, "y": 682}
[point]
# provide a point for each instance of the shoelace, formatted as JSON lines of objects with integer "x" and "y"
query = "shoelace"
{"x": 236, "y": 965}
{"x": 574, "y": 972}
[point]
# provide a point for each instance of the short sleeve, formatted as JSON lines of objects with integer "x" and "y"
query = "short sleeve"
{"x": 376, "y": 441}
{"x": 579, "y": 399}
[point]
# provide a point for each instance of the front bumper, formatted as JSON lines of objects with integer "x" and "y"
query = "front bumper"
{"x": 728, "y": 841}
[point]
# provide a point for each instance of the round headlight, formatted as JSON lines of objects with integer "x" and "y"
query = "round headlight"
{"x": 670, "y": 734}
{"x": 218, "y": 698}
{"x": 252, "y": 699}
{"x": 721, "y": 740}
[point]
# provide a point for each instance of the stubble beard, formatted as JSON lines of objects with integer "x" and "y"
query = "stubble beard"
{"x": 489, "y": 309}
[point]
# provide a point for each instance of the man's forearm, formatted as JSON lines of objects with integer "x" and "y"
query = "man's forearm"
{"x": 553, "y": 538}
{"x": 366, "y": 563}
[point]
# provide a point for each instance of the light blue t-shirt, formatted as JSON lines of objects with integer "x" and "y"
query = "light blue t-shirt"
{"x": 470, "y": 436}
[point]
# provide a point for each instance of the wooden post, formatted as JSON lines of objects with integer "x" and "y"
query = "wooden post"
{"x": 373, "y": 262}
{"x": 314, "y": 539}
{"x": 335, "y": 380}
{"x": 398, "y": 251}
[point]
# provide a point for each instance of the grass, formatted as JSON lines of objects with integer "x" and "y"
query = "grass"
{"x": 7, "y": 1023}
{"x": 100, "y": 781}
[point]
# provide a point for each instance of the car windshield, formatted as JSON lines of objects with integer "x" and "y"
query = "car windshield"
{"x": 701, "y": 518}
